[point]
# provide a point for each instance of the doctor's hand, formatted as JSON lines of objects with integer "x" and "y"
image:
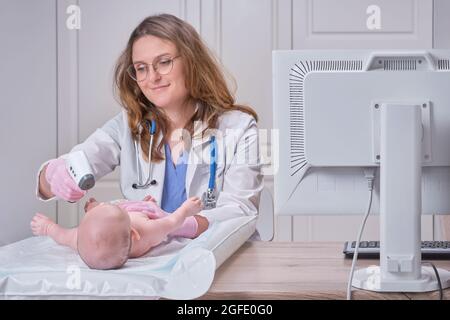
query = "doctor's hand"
{"x": 61, "y": 183}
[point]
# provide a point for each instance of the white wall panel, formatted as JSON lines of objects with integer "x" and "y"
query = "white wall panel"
{"x": 441, "y": 35}
{"x": 326, "y": 24}
{"x": 27, "y": 110}
{"x": 247, "y": 43}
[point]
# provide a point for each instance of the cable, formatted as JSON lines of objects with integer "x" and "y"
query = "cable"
{"x": 441, "y": 293}
{"x": 369, "y": 173}
{"x": 355, "y": 255}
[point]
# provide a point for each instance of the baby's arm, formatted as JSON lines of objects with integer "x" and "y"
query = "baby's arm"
{"x": 41, "y": 225}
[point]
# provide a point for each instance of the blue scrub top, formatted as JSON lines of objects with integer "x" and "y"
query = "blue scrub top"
{"x": 174, "y": 190}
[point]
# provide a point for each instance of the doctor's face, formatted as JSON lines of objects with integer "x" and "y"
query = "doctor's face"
{"x": 165, "y": 87}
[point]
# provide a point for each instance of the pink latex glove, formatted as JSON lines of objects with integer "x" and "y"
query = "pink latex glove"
{"x": 61, "y": 183}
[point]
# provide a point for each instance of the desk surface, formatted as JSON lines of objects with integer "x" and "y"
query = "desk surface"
{"x": 295, "y": 270}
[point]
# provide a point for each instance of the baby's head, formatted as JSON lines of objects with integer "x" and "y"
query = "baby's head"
{"x": 104, "y": 237}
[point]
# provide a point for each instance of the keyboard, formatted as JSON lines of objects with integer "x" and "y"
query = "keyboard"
{"x": 431, "y": 250}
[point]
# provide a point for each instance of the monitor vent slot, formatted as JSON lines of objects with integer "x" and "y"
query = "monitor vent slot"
{"x": 400, "y": 64}
{"x": 296, "y": 103}
{"x": 444, "y": 64}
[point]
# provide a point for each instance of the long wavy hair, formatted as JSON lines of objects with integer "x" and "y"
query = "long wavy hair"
{"x": 204, "y": 80}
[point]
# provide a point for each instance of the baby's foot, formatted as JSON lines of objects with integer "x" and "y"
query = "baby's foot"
{"x": 192, "y": 206}
{"x": 41, "y": 224}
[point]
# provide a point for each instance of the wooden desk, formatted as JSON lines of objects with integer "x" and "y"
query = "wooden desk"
{"x": 295, "y": 270}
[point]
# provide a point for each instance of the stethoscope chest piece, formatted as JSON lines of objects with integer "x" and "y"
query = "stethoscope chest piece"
{"x": 209, "y": 199}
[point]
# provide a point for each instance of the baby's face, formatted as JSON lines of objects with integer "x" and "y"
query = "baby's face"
{"x": 104, "y": 237}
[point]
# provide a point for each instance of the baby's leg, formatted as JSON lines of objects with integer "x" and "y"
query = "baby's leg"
{"x": 189, "y": 207}
{"x": 153, "y": 232}
{"x": 191, "y": 228}
{"x": 43, "y": 226}
{"x": 188, "y": 229}
{"x": 202, "y": 225}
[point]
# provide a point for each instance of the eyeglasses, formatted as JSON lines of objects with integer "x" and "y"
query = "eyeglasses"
{"x": 139, "y": 70}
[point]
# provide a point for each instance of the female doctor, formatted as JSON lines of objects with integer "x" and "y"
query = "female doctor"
{"x": 180, "y": 133}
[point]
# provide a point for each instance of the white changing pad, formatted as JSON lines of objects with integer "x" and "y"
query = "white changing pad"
{"x": 38, "y": 268}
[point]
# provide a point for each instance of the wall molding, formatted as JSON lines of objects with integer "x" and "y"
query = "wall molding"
{"x": 68, "y": 98}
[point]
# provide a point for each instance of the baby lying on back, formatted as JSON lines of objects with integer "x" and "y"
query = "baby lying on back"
{"x": 110, "y": 233}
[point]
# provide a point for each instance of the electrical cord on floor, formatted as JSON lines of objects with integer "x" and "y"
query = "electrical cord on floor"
{"x": 441, "y": 293}
{"x": 369, "y": 173}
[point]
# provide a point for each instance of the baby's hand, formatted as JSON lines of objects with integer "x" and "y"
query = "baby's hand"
{"x": 91, "y": 203}
{"x": 192, "y": 206}
{"x": 40, "y": 224}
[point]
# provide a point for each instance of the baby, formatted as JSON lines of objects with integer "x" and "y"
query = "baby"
{"x": 110, "y": 233}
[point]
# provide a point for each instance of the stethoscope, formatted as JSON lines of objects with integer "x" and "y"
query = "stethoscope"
{"x": 150, "y": 181}
{"x": 209, "y": 198}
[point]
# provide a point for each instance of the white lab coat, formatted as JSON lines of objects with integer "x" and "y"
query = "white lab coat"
{"x": 238, "y": 177}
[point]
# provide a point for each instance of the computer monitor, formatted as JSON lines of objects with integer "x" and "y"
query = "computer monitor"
{"x": 341, "y": 111}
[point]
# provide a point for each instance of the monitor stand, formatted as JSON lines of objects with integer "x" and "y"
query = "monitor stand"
{"x": 400, "y": 131}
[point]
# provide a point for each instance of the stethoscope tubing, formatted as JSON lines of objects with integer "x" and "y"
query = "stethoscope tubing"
{"x": 150, "y": 181}
{"x": 213, "y": 164}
